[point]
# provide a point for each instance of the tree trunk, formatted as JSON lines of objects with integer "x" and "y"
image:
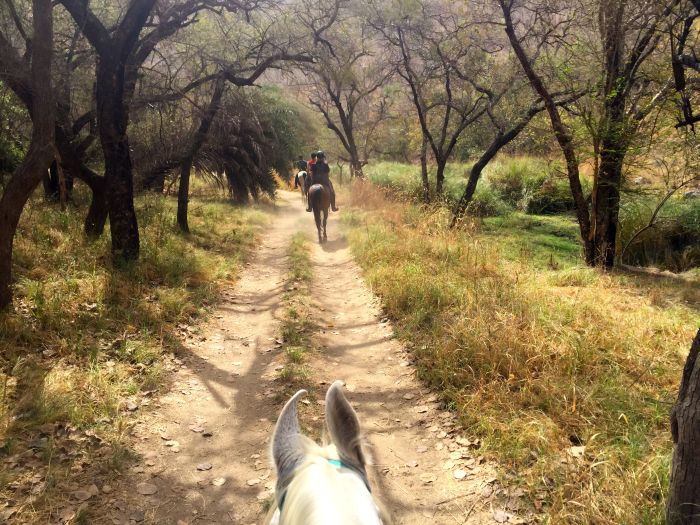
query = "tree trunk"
{"x": 440, "y": 176}
{"x": 424, "y": 171}
{"x": 112, "y": 117}
{"x": 474, "y": 176}
{"x": 97, "y": 214}
{"x": 237, "y": 186}
{"x": 606, "y": 206}
{"x": 356, "y": 167}
{"x": 183, "y": 195}
{"x": 41, "y": 151}
{"x": 684, "y": 490}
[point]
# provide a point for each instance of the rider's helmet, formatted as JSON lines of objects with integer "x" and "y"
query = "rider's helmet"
{"x": 320, "y": 155}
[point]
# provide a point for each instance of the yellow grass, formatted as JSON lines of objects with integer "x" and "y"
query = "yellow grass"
{"x": 538, "y": 361}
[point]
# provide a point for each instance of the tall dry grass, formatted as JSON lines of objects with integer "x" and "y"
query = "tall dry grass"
{"x": 535, "y": 361}
{"x": 85, "y": 337}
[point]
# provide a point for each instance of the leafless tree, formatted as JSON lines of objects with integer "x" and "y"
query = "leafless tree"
{"x": 345, "y": 84}
{"x": 432, "y": 45}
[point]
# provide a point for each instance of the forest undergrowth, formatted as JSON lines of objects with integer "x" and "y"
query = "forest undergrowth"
{"x": 88, "y": 344}
{"x": 567, "y": 374}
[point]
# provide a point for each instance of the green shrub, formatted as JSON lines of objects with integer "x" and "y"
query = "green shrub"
{"x": 673, "y": 243}
{"x": 487, "y": 202}
{"x": 516, "y": 178}
{"x": 552, "y": 197}
{"x": 10, "y": 157}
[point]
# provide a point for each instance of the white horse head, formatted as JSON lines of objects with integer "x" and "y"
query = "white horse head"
{"x": 322, "y": 485}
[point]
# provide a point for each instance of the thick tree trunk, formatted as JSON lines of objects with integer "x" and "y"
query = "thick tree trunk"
{"x": 606, "y": 206}
{"x": 112, "y": 117}
{"x": 237, "y": 186}
{"x": 605, "y": 199}
{"x": 183, "y": 195}
{"x": 115, "y": 48}
{"x": 41, "y": 151}
{"x": 684, "y": 490}
{"x": 17, "y": 192}
{"x": 356, "y": 167}
{"x": 97, "y": 214}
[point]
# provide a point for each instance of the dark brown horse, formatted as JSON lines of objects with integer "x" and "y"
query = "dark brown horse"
{"x": 320, "y": 201}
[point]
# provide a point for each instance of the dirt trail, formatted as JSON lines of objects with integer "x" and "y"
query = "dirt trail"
{"x": 205, "y": 444}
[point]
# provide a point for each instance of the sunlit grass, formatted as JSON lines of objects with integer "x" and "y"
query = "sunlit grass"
{"x": 85, "y": 337}
{"x": 297, "y": 325}
{"x": 535, "y": 357}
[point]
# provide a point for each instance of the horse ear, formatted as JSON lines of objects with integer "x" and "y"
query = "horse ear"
{"x": 288, "y": 449}
{"x": 344, "y": 427}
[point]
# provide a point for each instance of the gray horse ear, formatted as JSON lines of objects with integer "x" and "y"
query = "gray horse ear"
{"x": 288, "y": 449}
{"x": 344, "y": 427}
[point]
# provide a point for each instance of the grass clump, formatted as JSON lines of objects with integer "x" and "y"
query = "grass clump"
{"x": 85, "y": 338}
{"x": 537, "y": 359}
{"x": 297, "y": 325}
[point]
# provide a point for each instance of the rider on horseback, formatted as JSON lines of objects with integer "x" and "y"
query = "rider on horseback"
{"x": 320, "y": 174}
{"x": 301, "y": 167}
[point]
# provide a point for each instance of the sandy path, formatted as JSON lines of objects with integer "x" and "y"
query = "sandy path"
{"x": 415, "y": 445}
{"x": 205, "y": 444}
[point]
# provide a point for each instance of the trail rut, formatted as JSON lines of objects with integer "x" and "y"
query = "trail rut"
{"x": 204, "y": 445}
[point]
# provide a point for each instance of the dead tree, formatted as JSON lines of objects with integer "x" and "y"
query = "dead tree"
{"x": 343, "y": 84}
{"x": 41, "y": 151}
{"x": 684, "y": 490}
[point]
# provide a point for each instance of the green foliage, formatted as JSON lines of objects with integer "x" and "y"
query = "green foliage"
{"x": 673, "y": 243}
{"x": 290, "y": 127}
{"x": 487, "y": 202}
{"x": 517, "y": 179}
{"x": 12, "y": 118}
{"x": 547, "y": 241}
{"x": 10, "y": 156}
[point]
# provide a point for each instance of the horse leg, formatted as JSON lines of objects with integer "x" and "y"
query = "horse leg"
{"x": 325, "y": 221}
{"x": 317, "y": 217}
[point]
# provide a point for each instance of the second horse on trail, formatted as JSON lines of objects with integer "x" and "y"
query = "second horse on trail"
{"x": 300, "y": 181}
{"x": 320, "y": 201}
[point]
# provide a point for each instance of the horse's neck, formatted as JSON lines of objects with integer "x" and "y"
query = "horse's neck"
{"x": 322, "y": 493}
